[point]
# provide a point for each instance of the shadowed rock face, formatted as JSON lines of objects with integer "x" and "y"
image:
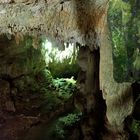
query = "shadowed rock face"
{"x": 89, "y": 98}
{"x": 15, "y": 75}
{"x": 17, "y": 72}
{"x": 136, "y": 92}
{"x": 22, "y": 101}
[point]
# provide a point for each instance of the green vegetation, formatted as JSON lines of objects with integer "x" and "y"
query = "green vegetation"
{"x": 61, "y": 60}
{"x": 55, "y": 92}
{"x": 135, "y": 127}
{"x": 37, "y": 87}
{"x": 124, "y": 23}
{"x": 70, "y": 119}
{"x": 65, "y": 87}
{"x": 58, "y": 84}
{"x": 117, "y": 18}
{"x": 66, "y": 122}
{"x": 124, "y": 20}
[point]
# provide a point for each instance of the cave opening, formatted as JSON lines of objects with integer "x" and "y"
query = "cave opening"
{"x": 61, "y": 59}
{"x": 42, "y": 90}
{"x": 44, "y": 94}
{"x": 38, "y": 83}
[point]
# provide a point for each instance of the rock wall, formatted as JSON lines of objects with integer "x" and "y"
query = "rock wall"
{"x": 89, "y": 98}
{"x": 19, "y": 97}
{"x": 118, "y": 96}
{"x": 18, "y": 68}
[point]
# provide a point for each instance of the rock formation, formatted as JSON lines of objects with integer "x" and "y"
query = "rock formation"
{"x": 104, "y": 102}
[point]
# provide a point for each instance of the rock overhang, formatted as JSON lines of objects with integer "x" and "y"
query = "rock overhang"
{"x": 65, "y": 21}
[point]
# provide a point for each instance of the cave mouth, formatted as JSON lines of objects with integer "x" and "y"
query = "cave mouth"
{"x": 61, "y": 59}
{"x": 36, "y": 94}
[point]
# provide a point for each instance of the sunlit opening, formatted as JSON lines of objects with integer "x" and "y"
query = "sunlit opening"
{"x": 54, "y": 53}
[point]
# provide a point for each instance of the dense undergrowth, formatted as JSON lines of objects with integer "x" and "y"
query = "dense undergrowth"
{"x": 123, "y": 18}
{"x": 58, "y": 92}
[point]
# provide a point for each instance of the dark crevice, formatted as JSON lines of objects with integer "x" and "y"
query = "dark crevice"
{"x": 94, "y": 114}
{"x": 136, "y": 99}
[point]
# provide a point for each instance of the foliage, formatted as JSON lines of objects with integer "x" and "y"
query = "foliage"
{"x": 66, "y": 121}
{"x": 61, "y": 63}
{"x": 70, "y": 119}
{"x": 135, "y": 127}
{"x": 63, "y": 69}
{"x": 38, "y": 84}
{"x": 30, "y": 59}
{"x": 54, "y": 91}
{"x": 45, "y": 78}
{"x": 119, "y": 50}
{"x": 136, "y": 62}
{"x": 50, "y": 102}
{"x": 123, "y": 17}
{"x": 65, "y": 87}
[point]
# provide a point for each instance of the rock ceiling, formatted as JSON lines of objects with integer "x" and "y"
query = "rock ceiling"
{"x": 64, "y": 20}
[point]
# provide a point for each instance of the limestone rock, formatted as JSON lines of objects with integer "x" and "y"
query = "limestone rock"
{"x": 6, "y": 102}
{"x": 9, "y": 106}
{"x": 64, "y": 21}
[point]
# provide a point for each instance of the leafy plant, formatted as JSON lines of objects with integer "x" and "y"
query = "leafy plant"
{"x": 117, "y": 19}
{"x": 135, "y": 127}
{"x": 65, "y": 87}
{"x": 66, "y": 121}
{"x": 50, "y": 102}
{"x": 123, "y": 18}
{"x": 70, "y": 119}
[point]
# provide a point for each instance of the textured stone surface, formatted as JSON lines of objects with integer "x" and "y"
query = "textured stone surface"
{"x": 17, "y": 72}
{"x": 6, "y": 103}
{"x": 89, "y": 98}
{"x": 73, "y": 20}
{"x": 118, "y": 96}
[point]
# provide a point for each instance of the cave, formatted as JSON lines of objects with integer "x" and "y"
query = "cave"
{"x": 69, "y": 70}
